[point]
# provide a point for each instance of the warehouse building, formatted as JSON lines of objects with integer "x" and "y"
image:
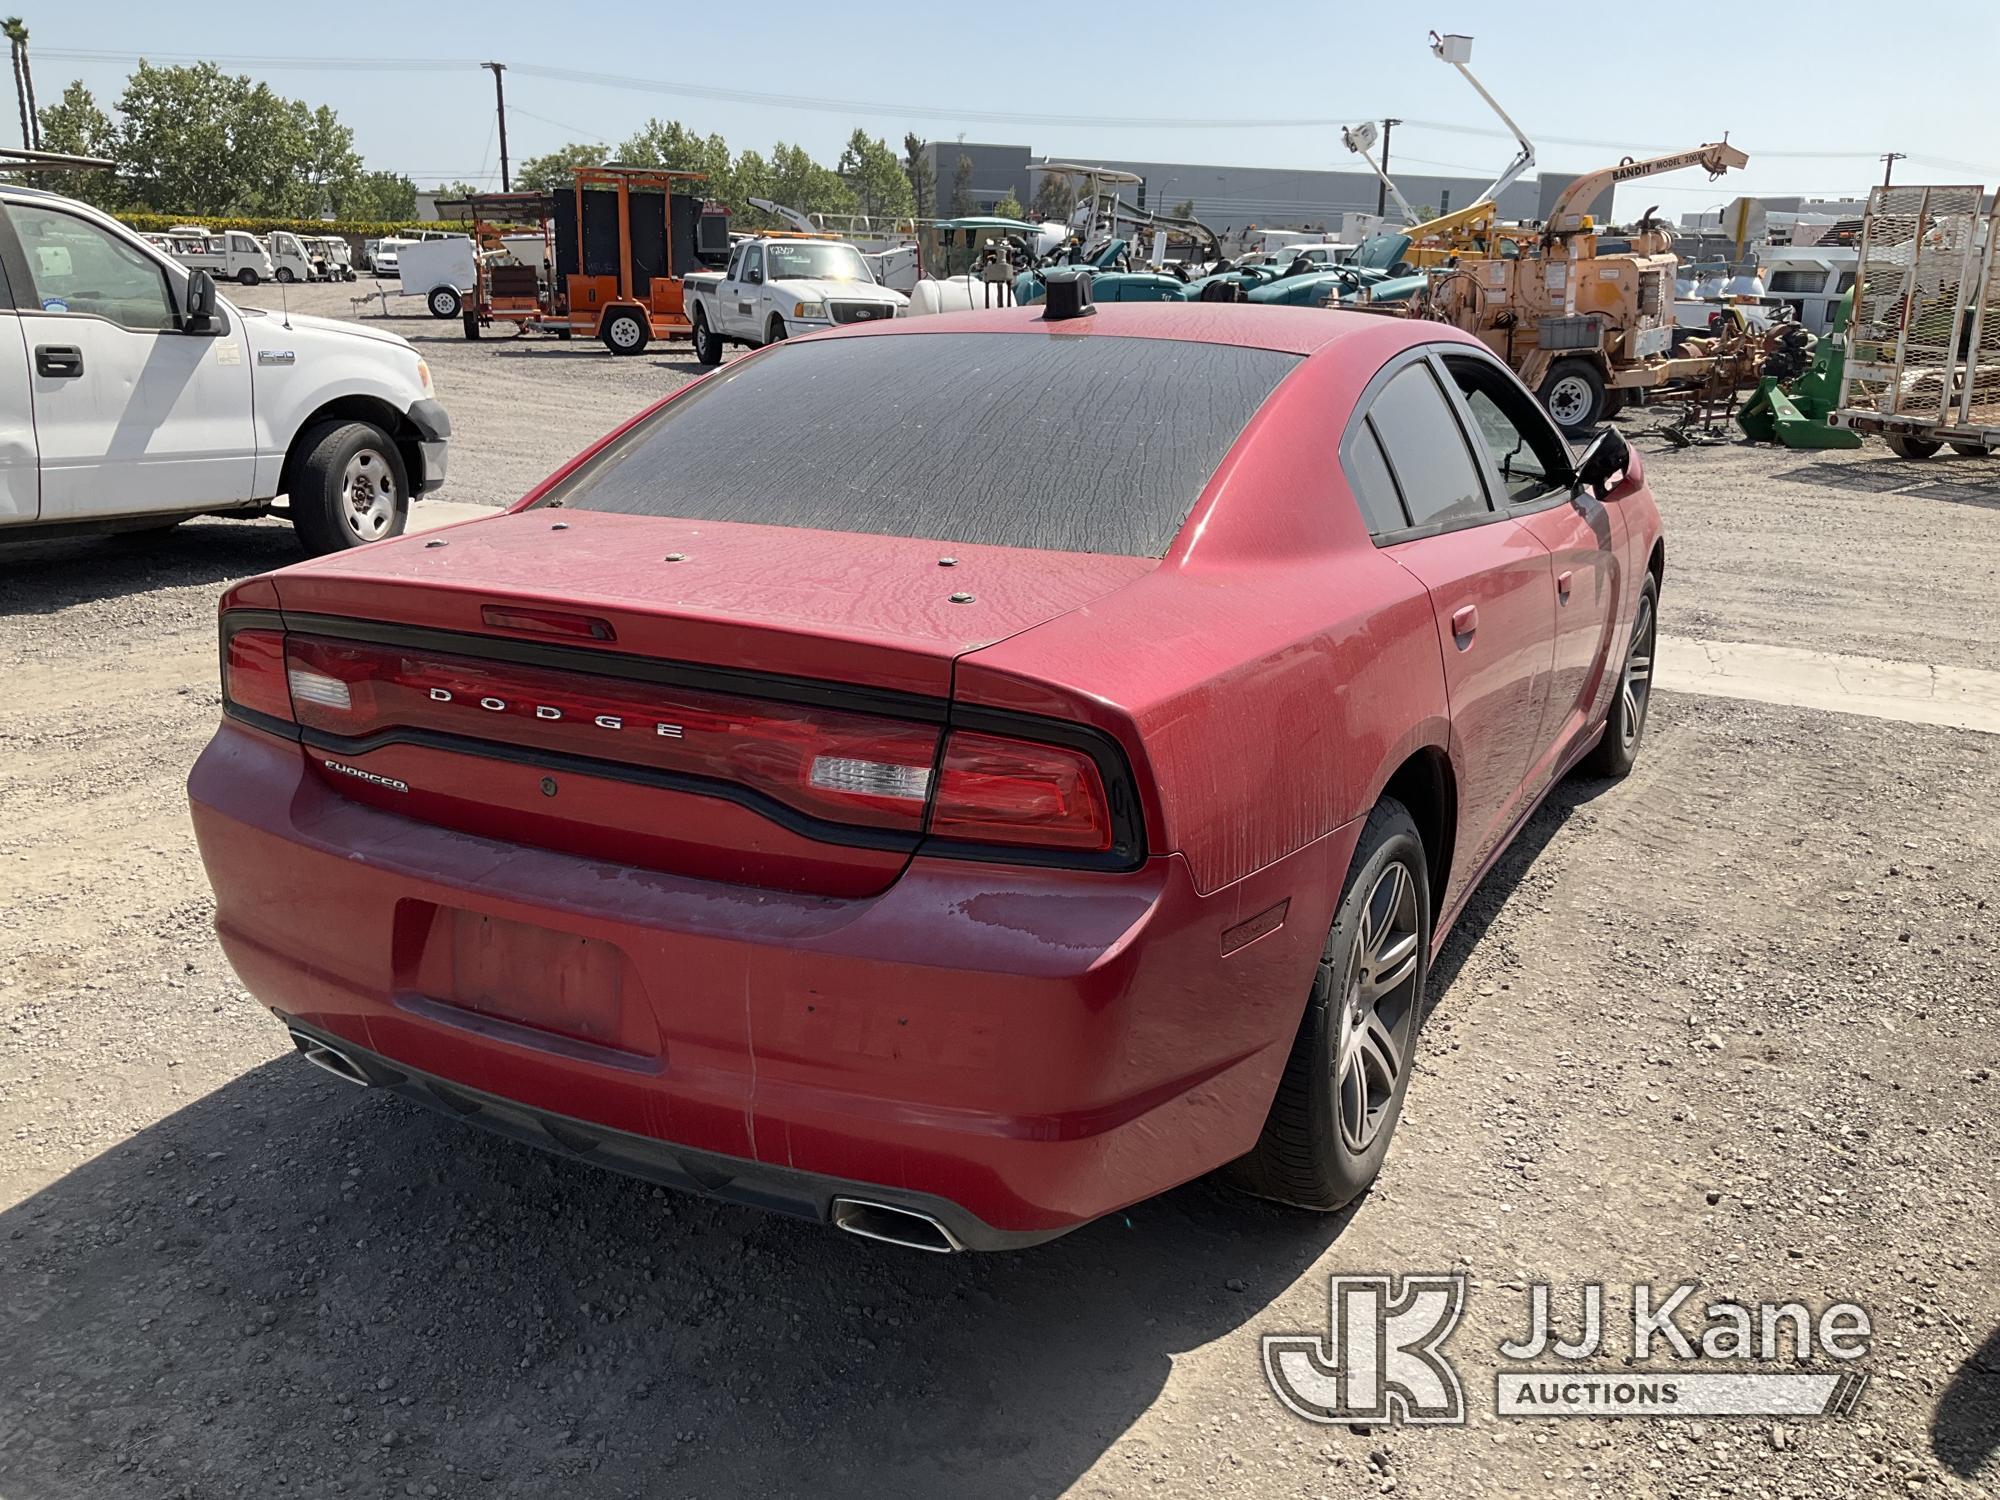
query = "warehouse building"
{"x": 1228, "y": 198}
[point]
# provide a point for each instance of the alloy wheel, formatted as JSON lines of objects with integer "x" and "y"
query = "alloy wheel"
{"x": 1378, "y": 1003}
{"x": 1635, "y": 683}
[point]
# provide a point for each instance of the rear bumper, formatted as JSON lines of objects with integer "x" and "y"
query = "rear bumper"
{"x": 1010, "y": 1051}
{"x": 781, "y": 1190}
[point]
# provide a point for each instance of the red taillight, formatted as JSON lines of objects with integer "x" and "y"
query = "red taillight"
{"x": 1004, "y": 791}
{"x": 843, "y": 767}
{"x": 253, "y": 673}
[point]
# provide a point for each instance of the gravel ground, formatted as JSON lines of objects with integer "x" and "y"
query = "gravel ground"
{"x": 1730, "y": 1021}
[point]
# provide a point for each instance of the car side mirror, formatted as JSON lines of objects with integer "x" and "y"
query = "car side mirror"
{"x": 1609, "y": 457}
{"x": 200, "y": 302}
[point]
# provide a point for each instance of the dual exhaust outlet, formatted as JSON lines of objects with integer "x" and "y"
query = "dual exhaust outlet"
{"x": 856, "y": 1216}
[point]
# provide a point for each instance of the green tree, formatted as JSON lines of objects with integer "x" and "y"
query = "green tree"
{"x": 923, "y": 181}
{"x": 799, "y": 182}
{"x": 377, "y": 195}
{"x": 875, "y": 177}
{"x": 750, "y": 178}
{"x": 671, "y": 146}
{"x": 1009, "y": 207}
{"x": 197, "y": 140}
{"x": 961, "y": 187}
{"x": 1182, "y": 210}
{"x": 1055, "y": 198}
{"x": 75, "y": 126}
{"x": 544, "y": 174}
{"x": 332, "y": 164}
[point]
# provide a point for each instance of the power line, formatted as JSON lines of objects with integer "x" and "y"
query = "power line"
{"x": 956, "y": 112}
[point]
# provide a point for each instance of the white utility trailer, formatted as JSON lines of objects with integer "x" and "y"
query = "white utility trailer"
{"x": 1923, "y": 352}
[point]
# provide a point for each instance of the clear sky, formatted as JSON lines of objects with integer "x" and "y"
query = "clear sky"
{"x": 1813, "y": 93}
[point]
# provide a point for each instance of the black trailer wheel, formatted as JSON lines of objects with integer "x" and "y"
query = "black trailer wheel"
{"x": 471, "y": 324}
{"x": 1905, "y": 445}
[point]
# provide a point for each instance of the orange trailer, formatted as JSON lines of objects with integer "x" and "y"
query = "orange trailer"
{"x": 624, "y": 237}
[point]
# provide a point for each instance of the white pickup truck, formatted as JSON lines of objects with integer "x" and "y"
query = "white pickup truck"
{"x": 132, "y": 396}
{"x": 781, "y": 285}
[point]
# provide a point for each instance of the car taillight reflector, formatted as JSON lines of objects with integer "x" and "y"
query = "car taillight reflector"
{"x": 992, "y": 790}
{"x": 318, "y": 689}
{"x": 253, "y": 673}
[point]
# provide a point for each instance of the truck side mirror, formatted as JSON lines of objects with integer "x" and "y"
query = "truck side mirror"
{"x": 200, "y": 302}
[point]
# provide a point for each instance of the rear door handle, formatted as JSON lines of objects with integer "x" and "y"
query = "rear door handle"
{"x": 58, "y": 361}
{"x": 1563, "y": 583}
{"x": 1464, "y": 624}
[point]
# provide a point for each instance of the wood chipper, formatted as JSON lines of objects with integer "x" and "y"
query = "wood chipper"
{"x": 623, "y": 238}
{"x": 1585, "y": 316}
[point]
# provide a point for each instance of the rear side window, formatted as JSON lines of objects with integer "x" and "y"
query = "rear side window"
{"x": 1373, "y": 485}
{"x": 1435, "y": 470}
{"x": 1063, "y": 442}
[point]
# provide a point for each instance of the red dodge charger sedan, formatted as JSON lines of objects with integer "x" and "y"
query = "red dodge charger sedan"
{"x": 948, "y": 779}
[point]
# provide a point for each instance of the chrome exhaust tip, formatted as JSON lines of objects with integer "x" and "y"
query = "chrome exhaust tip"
{"x": 893, "y": 1226}
{"x": 320, "y": 1055}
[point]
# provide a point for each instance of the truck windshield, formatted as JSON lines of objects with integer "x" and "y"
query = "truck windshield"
{"x": 815, "y": 260}
{"x": 1056, "y": 442}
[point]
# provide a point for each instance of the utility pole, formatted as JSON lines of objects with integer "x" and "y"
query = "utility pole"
{"x": 1889, "y": 160}
{"x": 1382, "y": 189}
{"x": 500, "y": 103}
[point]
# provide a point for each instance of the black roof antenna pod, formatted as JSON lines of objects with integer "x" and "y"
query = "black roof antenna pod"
{"x": 1068, "y": 297}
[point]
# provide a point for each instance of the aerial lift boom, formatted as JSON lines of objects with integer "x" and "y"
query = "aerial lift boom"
{"x": 1457, "y": 50}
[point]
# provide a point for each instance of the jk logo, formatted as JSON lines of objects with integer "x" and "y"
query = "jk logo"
{"x": 1381, "y": 1360}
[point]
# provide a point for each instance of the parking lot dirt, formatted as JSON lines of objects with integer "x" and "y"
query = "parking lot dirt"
{"x": 1729, "y": 1021}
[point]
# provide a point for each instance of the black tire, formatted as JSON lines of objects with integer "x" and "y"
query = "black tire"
{"x": 625, "y": 332}
{"x": 775, "y": 334}
{"x": 1310, "y": 1154}
{"x": 707, "y": 347}
{"x": 247, "y": 276}
{"x": 285, "y": 275}
{"x": 1970, "y": 450}
{"x": 563, "y": 332}
{"x": 444, "y": 302}
{"x": 329, "y": 514}
{"x": 1573, "y": 391}
{"x": 471, "y": 322}
{"x": 1903, "y": 445}
{"x": 1632, "y": 697}
{"x": 1614, "y": 402}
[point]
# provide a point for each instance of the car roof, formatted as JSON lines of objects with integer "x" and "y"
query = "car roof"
{"x": 1288, "y": 330}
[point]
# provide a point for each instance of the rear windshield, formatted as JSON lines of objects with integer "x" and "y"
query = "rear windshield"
{"x": 1066, "y": 443}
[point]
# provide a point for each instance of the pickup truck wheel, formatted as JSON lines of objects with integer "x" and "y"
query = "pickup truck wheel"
{"x": 350, "y": 487}
{"x": 626, "y": 333}
{"x": 444, "y": 302}
{"x": 707, "y": 347}
{"x": 247, "y": 276}
{"x": 775, "y": 334}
